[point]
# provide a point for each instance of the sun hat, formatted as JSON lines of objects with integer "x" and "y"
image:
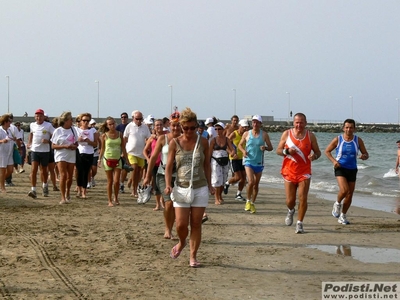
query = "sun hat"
{"x": 209, "y": 120}
{"x": 244, "y": 123}
{"x": 174, "y": 117}
{"x": 220, "y": 124}
{"x": 257, "y": 118}
{"x": 39, "y": 111}
{"x": 92, "y": 121}
{"x": 201, "y": 124}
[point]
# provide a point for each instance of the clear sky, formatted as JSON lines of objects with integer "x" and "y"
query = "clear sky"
{"x": 329, "y": 59}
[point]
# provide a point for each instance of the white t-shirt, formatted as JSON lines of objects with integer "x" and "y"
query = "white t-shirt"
{"x": 84, "y": 147}
{"x": 62, "y": 136}
{"x": 212, "y": 133}
{"x": 40, "y": 132}
{"x": 137, "y": 136}
{"x": 96, "y": 149}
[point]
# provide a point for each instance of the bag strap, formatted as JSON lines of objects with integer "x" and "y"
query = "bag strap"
{"x": 194, "y": 152}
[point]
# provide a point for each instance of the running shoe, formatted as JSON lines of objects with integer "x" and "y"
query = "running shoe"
{"x": 343, "y": 220}
{"x": 56, "y": 189}
{"x": 93, "y": 182}
{"x": 337, "y": 207}
{"x": 45, "y": 191}
{"x": 122, "y": 189}
{"x": 299, "y": 228}
{"x": 144, "y": 194}
{"x": 226, "y": 187}
{"x": 239, "y": 198}
{"x": 252, "y": 208}
{"x": 88, "y": 185}
{"x": 289, "y": 217}
{"x": 247, "y": 206}
{"x": 32, "y": 194}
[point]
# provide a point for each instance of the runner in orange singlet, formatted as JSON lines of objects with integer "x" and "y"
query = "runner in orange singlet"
{"x": 299, "y": 147}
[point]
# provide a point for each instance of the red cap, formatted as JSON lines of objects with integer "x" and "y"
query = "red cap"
{"x": 39, "y": 111}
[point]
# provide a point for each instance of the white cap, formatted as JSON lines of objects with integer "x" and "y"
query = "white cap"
{"x": 46, "y": 115}
{"x": 243, "y": 123}
{"x": 220, "y": 124}
{"x": 209, "y": 120}
{"x": 149, "y": 117}
{"x": 148, "y": 121}
{"x": 92, "y": 121}
{"x": 257, "y": 118}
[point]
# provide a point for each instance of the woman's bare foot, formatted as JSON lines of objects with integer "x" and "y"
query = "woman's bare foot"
{"x": 156, "y": 208}
{"x": 110, "y": 204}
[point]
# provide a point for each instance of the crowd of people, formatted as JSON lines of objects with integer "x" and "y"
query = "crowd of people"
{"x": 182, "y": 159}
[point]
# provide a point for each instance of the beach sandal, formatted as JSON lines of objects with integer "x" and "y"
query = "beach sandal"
{"x": 205, "y": 219}
{"x": 194, "y": 264}
{"x": 174, "y": 251}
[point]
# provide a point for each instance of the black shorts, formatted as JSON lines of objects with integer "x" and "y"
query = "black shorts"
{"x": 95, "y": 161}
{"x": 41, "y": 157}
{"x": 51, "y": 156}
{"x": 349, "y": 174}
{"x": 237, "y": 165}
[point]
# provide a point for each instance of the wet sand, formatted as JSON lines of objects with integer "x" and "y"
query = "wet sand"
{"x": 87, "y": 250}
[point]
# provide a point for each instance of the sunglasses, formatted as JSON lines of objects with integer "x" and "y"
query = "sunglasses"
{"x": 139, "y": 119}
{"x": 124, "y": 117}
{"x": 186, "y": 128}
{"x": 85, "y": 120}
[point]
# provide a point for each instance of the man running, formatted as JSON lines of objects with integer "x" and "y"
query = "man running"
{"x": 299, "y": 147}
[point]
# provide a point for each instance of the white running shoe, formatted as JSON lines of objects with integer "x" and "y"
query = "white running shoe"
{"x": 343, "y": 220}
{"x": 337, "y": 207}
{"x": 299, "y": 228}
{"x": 289, "y": 217}
{"x": 144, "y": 194}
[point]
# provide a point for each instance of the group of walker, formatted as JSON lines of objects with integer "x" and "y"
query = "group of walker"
{"x": 187, "y": 160}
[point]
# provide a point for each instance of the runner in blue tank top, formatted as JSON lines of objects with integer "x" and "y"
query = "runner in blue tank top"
{"x": 253, "y": 144}
{"x": 347, "y": 146}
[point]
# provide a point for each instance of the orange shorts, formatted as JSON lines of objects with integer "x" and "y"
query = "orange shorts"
{"x": 296, "y": 178}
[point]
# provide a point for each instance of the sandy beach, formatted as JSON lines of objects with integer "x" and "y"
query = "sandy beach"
{"x": 86, "y": 250}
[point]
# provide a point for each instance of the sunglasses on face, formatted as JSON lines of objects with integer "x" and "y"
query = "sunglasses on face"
{"x": 83, "y": 120}
{"x": 124, "y": 117}
{"x": 186, "y": 128}
{"x": 139, "y": 119}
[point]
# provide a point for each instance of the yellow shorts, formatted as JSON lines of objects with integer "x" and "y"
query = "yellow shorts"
{"x": 134, "y": 160}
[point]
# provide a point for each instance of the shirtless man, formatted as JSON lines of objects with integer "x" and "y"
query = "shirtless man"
{"x": 232, "y": 127}
{"x": 299, "y": 148}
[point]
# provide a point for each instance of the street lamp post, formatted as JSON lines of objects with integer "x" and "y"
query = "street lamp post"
{"x": 171, "y": 97}
{"x": 398, "y": 114}
{"x": 351, "y": 97}
{"x": 288, "y": 105}
{"x": 98, "y": 97}
{"x": 8, "y": 93}
{"x": 234, "y": 101}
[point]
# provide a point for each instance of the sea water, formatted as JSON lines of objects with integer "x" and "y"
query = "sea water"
{"x": 377, "y": 185}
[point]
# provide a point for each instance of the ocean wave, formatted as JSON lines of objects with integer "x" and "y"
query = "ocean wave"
{"x": 380, "y": 194}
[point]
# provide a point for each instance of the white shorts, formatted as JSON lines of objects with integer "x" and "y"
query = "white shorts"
{"x": 200, "y": 198}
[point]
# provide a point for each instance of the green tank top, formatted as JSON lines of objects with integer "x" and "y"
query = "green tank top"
{"x": 112, "y": 147}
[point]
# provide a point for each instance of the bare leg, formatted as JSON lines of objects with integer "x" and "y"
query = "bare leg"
{"x": 195, "y": 231}
{"x": 169, "y": 218}
{"x": 303, "y": 188}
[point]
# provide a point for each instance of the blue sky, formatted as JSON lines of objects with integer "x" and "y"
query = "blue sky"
{"x": 317, "y": 53}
